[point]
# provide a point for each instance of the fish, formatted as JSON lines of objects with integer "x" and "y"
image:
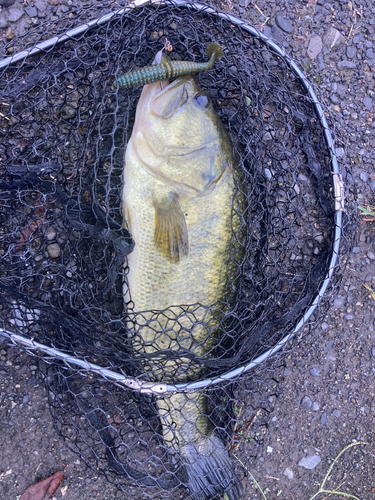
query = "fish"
{"x": 181, "y": 205}
{"x": 168, "y": 69}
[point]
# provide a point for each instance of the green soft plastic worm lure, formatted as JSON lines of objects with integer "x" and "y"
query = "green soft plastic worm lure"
{"x": 168, "y": 69}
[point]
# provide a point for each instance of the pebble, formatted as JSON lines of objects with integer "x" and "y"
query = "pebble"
{"x": 367, "y": 102}
{"x": 336, "y": 413}
{"x": 41, "y": 5}
{"x": 373, "y": 352}
{"x": 351, "y": 52}
{"x": 9, "y": 35}
{"x": 315, "y": 47}
{"x": 369, "y": 53}
{"x": 31, "y": 11}
{"x": 320, "y": 62}
{"x": 333, "y": 39}
{"x": 340, "y": 152}
{"x": 349, "y": 316}
{"x": 341, "y": 89}
{"x": 25, "y": 399}
{"x": 315, "y": 406}
{"x": 15, "y": 15}
{"x": 277, "y": 34}
{"x": 51, "y": 233}
{"x": 289, "y": 473}
{"x": 53, "y": 250}
{"x": 338, "y": 302}
{"x": 372, "y": 185}
{"x": 284, "y": 24}
{"x": 306, "y": 402}
{"x": 7, "y": 3}
{"x": 371, "y": 255}
{"x": 309, "y": 462}
{"x": 346, "y": 65}
{"x": 364, "y": 176}
{"x": 314, "y": 372}
{"x": 323, "y": 418}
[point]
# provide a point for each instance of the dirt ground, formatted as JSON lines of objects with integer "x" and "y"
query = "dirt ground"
{"x": 322, "y": 395}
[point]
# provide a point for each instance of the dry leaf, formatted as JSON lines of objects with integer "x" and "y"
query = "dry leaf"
{"x": 44, "y": 489}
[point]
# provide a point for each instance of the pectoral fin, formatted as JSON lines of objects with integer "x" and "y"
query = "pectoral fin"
{"x": 170, "y": 234}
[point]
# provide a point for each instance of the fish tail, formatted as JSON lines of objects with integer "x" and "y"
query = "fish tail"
{"x": 214, "y": 50}
{"x": 210, "y": 470}
{"x": 187, "y": 430}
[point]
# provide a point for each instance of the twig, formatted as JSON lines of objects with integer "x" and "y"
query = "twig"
{"x": 253, "y": 478}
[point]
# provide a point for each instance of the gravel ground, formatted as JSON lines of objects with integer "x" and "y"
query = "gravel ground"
{"x": 324, "y": 396}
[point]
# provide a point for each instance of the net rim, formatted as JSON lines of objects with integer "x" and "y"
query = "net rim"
{"x": 140, "y": 385}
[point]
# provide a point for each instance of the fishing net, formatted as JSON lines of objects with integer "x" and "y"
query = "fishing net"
{"x": 64, "y": 245}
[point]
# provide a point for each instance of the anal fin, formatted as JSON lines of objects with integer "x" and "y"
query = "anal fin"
{"x": 170, "y": 233}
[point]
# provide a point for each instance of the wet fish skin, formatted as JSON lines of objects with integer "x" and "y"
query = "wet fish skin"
{"x": 178, "y": 192}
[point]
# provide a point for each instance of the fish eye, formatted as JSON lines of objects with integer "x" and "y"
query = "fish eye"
{"x": 202, "y": 100}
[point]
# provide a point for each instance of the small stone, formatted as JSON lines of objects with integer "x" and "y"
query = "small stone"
{"x": 372, "y": 186}
{"x": 338, "y": 302}
{"x": 323, "y": 419}
{"x": 306, "y": 402}
{"x": 7, "y": 3}
{"x": 284, "y": 24}
{"x": 41, "y": 5}
{"x": 309, "y": 462}
{"x": 3, "y": 22}
{"x": 53, "y": 250}
{"x": 289, "y": 473}
{"x": 340, "y": 152}
{"x": 314, "y": 372}
{"x": 51, "y": 233}
{"x": 364, "y": 176}
{"x": 324, "y": 326}
{"x": 315, "y": 47}
{"x": 367, "y": 102}
{"x": 320, "y": 62}
{"x": 9, "y": 35}
{"x": 315, "y": 406}
{"x": 371, "y": 255}
{"x": 351, "y": 52}
{"x": 31, "y": 11}
{"x": 277, "y": 34}
{"x": 336, "y": 413}
{"x": 341, "y": 89}
{"x": 333, "y": 39}
{"x": 349, "y": 316}
{"x": 346, "y": 65}
{"x": 369, "y": 53}
{"x": 373, "y": 352}
{"x": 269, "y": 449}
{"x": 25, "y": 399}
{"x": 15, "y": 15}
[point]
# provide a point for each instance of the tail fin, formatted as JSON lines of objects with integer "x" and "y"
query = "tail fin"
{"x": 214, "y": 48}
{"x": 210, "y": 470}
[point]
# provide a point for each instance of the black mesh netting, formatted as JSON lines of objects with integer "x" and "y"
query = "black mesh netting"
{"x": 63, "y": 243}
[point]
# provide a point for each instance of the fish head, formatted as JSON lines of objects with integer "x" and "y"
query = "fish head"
{"x": 179, "y": 136}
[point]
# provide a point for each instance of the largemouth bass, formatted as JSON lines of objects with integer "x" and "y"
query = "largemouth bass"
{"x": 178, "y": 197}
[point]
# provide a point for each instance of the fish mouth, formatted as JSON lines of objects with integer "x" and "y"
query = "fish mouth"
{"x": 172, "y": 98}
